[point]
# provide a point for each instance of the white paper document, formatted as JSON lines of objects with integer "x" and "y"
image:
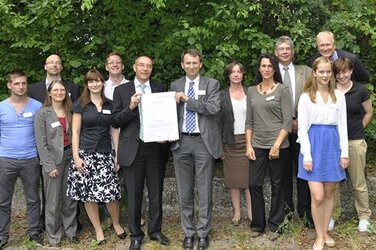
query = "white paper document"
{"x": 159, "y": 117}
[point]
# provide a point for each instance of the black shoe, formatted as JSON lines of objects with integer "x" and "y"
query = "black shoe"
{"x": 3, "y": 243}
{"x": 188, "y": 243}
{"x": 37, "y": 239}
{"x": 74, "y": 240}
{"x": 135, "y": 245}
{"x": 122, "y": 236}
{"x": 203, "y": 243}
{"x": 160, "y": 238}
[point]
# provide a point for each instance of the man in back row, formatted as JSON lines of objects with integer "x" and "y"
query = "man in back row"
{"x": 326, "y": 46}
{"x": 53, "y": 67}
{"x": 294, "y": 76}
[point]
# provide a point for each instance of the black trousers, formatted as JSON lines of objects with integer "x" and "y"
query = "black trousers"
{"x": 257, "y": 171}
{"x": 146, "y": 166}
{"x": 302, "y": 189}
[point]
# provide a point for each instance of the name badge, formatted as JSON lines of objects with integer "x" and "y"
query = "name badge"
{"x": 201, "y": 92}
{"x": 106, "y": 111}
{"x": 270, "y": 98}
{"x": 55, "y": 124}
{"x": 27, "y": 114}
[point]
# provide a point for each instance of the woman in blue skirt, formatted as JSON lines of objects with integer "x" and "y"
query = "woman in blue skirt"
{"x": 324, "y": 146}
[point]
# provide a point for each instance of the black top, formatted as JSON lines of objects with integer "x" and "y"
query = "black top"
{"x": 95, "y": 126}
{"x": 355, "y": 112}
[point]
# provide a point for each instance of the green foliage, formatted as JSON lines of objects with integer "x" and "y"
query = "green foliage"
{"x": 84, "y": 32}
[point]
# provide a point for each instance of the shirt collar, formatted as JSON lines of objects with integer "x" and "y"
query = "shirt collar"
{"x": 334, "y": 56}
{"x": 196, "y": 80}
{"x": 137, "y": 83}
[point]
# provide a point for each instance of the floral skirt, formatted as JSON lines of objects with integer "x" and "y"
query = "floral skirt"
{"x": 100, "y": 183}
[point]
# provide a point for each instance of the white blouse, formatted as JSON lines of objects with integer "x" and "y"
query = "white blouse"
{"x": 322, "y": 113}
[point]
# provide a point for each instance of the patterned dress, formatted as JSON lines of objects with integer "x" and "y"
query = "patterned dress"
{"x": 100, "y": 183}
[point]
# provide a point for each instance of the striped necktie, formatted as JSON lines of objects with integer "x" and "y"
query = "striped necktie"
{"x": 190, "y": 118}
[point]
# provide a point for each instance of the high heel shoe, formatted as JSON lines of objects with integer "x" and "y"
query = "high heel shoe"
{"x": 122, "y": 236}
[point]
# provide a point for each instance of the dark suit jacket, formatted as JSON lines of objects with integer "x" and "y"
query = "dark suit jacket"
{"x": 360, "y": 74}
{"x": 207, "y": 107}
{"x": 37, "y": 90}
{"x": 227, "y": 118}
{"x": 128, "y": 120}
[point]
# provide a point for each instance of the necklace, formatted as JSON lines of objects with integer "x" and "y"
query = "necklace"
{"x": 264, "y": 92}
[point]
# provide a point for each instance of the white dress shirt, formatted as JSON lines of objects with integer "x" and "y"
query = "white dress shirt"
{"x": 109, "y": 87}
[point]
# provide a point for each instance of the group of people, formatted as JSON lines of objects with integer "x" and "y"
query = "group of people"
{"x": 293, "y": 121}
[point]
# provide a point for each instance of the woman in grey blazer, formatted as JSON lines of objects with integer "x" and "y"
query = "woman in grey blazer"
{"x": 52, "y": 134}
{"x": 233, "y": 114}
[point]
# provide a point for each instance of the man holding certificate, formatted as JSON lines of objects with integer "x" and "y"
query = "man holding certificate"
{"x": 140, "y": 160}
{"x": 198, "y": 146}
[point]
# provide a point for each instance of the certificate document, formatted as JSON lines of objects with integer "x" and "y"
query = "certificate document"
{"x": 159, "y": 117}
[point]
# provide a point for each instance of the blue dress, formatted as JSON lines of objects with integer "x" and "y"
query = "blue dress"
{"x": 326, "y": 155}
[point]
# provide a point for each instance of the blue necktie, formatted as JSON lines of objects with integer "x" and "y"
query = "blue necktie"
{"x": 142, "y": 87}
{"x": 190, "y": 118}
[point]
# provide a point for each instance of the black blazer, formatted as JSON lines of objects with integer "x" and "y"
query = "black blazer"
{"x": 226, "y": 116}
{"x": 37, "y": 90}
{"x": 128, "y": 120}
{"x": 360, "y": 74}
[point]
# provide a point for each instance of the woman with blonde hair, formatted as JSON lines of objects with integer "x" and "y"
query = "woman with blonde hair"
{"x": 322, "y": 133}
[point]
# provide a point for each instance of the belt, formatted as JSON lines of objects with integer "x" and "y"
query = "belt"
{"x": 67, "y": 147}
{"x": 191, "y": 134}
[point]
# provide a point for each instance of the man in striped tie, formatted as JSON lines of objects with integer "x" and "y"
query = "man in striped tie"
{"x": 198, "y": 146}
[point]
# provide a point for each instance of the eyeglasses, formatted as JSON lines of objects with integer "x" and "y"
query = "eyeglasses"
{"x": 143, "y": 65}
{"x": 54, "y": 62}
{"x": 115, "y": 63}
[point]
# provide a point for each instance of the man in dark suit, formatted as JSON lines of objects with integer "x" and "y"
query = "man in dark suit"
{"x": 198, "y": 146}
{"x": 295, "y": 77}
{"x": 326, "y": 46}
{"x": 53, "y": 67}
{"x": 140, "y": 161}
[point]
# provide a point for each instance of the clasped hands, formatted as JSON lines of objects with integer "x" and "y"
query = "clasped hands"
{"x": 181, "y": 97}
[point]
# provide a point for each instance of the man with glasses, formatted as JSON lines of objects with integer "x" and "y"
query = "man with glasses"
{"x": 53, "y": 67}
{"x": 115, "y": 68}
{"x": 141, "y": 161}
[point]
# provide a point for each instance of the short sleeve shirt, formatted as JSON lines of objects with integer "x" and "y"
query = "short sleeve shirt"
{"x": 95, "y": 126}
{"x": 355, "y": 112}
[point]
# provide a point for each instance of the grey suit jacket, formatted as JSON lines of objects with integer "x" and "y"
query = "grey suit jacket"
{"x": 207, "y": 107}
{"x": 301, "y": 74}
{"x": 49, "y": 139}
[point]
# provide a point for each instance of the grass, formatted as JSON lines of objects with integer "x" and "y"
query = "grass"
{"x": 223, "y": 236}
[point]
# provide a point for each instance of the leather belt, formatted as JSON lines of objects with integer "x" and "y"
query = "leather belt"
{"x": 191, "y": 134}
